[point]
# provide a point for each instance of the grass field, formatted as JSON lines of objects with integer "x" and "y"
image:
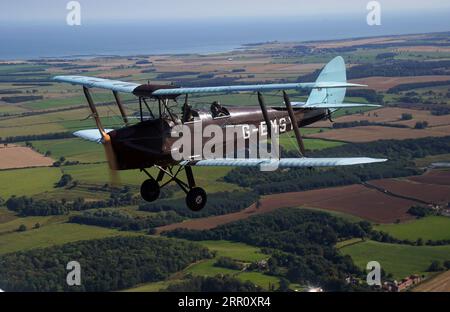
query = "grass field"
{"x": 399, "y": 260}
{"x": 238, "y": 251}
{"x": 429, "y": 228}
{"x": 54, "y": 234}
{"x": 72, "y": 149}
{"x": 28, "y": 181}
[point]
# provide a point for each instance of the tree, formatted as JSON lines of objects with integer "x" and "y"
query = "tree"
{"x": 447, "y": 264}
{"x": 284, "y": 285}
{"x": 22, "y": 228}
{"x": 435, "y": 266}
{"x": 64, "y": 181}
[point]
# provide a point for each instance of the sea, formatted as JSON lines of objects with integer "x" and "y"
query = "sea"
{"x": 32, "y": 40}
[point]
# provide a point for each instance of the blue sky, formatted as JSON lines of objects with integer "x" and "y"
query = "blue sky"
{"x": 110, "y": 10}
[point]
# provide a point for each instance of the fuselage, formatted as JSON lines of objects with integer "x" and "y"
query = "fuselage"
{"x": 150, "y": 142}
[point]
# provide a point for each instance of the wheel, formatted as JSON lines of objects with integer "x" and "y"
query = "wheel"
{"x": 196, "y": 199}
{"x": 150, "y": 190}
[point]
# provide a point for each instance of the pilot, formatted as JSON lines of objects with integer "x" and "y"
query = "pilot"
{"x": 217, "y": 110}
{"x": 187, "y": 113}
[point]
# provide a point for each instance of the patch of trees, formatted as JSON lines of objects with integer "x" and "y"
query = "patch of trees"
{"x": 421, "y": 211}
{"x": 406, "y": 116}
{"x": 228, "y": 263}
{"x": 306, "y": 239}
{"x": 421, "y": 125}
{"x": 28, "y": 206}
{"x": 124, "y": 221}
{"x": 224, "y": 283}
{"x": 107, "y": 264}
{"x": 169, "y": 75}
{"x": 21, "y": 98}
{"x": 37, "y": 137}
{"x": 65, "y": 180}
{"x": 399, "y": 68}
{"x": 365, "y": 123}
{"x": 368, "y": 94}
{"x": 387, "y": 55}
{"x": 10, "y": 91}
{"x": 218, "y": 204}
{"x": 390, "y": 68}
{"x": 416, "y": 85}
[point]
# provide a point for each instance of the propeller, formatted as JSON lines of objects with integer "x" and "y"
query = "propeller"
{"x": 111, "y": 158}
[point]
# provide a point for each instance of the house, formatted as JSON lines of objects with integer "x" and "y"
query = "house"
{"x": 404, "y": 284}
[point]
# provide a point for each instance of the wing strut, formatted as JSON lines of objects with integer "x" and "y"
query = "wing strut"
{"x": 265, "y": 115}
{"x": 298, "y": 135}
{"x": 122, "y": 110}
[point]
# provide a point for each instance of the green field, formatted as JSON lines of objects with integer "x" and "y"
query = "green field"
{"x": 28, "y": 182}
{"x": 72, "y": 149}
{"x": 238, "y": 251}
{"x": 399, "y": 260}
{"x": 429, "y": 228}
{"x": 54, "y": 234}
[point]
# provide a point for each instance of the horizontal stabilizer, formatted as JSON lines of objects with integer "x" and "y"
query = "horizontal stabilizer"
{"x": 92, "y": 135}
{"x": 285, "y": 162}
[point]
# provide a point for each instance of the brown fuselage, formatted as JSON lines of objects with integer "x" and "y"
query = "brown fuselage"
{"x": 149, "y": 142}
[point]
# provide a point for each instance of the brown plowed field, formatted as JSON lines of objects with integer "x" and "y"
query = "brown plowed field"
{"x": 356, "y": 200}
{"x": 439, "y": 177}
{"x": 432, "y": 193}
{"x": 22, "y": 157}
{"x": 385, "y": 83}
{"x": 439, "y": 283}
{"x": 375, "y": 133}
{"x": 392, "y": 115}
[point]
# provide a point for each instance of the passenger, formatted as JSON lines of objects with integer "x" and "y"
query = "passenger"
{"x": 217, "y": 110}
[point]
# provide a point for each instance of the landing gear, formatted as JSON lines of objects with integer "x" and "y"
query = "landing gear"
{"x": 195, "y": 196}
{"x": 196, "y": 199}
{"x": 150, "y": 190}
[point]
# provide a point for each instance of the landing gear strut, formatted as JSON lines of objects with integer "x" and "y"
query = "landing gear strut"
{"x": 195, "y": 196}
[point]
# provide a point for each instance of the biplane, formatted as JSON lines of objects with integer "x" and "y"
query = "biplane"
{"x": 148, "y": 142}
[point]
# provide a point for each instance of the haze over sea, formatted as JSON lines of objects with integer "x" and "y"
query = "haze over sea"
{"x": 36, "y": 40}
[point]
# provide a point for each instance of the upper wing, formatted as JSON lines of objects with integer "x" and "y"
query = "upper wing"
{"x": 285, "y": 162}
{"x": 256, "y": 88}
{"x": 93, "y": 82}
{"x": 128, "y": 87}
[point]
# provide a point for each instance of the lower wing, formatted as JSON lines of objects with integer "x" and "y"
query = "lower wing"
{"x": 285, "y": 162}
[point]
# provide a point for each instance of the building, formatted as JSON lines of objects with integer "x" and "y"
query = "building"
{"x": 404, "y": 284}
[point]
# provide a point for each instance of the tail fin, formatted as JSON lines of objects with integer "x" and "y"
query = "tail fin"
{"x": 334, "y": 71}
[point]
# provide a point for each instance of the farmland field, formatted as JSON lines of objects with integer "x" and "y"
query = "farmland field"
{"x": 14, "y": 157}
{"x": 354, "y": 200}
{"x": 28, "y": 181}
{"x": 399, "y": 260}
{"x": 54, "y": 234}
{"x": 428, "y": 228}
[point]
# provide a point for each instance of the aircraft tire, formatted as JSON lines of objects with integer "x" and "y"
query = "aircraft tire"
{"x": 150, "y": 190}
{"x": 196, "y": 199}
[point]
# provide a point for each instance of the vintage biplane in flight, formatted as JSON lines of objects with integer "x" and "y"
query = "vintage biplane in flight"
{"x": 148, "y": 143}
